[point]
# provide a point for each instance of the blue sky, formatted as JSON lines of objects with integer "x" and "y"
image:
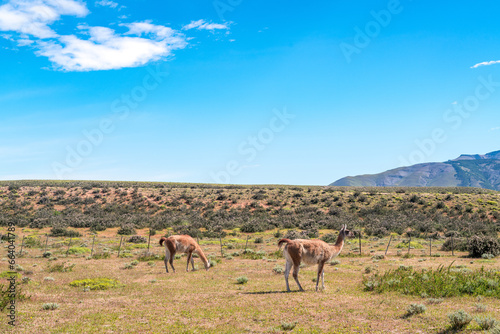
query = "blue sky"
{"x": 249, "y": 92}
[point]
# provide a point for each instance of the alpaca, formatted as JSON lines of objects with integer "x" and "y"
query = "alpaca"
{"x": 183, "y": 244}
{"x": 311, "y": 252}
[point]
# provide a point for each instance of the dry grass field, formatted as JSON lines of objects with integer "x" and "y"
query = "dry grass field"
{"x": 148, "y": 300}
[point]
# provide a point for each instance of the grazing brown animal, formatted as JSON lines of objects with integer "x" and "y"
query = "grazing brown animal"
{"x": 182, "y": 244}
{"x": 311, "y": 252}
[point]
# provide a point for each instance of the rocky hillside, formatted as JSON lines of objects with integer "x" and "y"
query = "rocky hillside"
{"x": 482, "y": 171}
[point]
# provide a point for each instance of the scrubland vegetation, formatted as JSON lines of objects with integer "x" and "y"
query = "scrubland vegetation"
{"x": 75, "y": 280}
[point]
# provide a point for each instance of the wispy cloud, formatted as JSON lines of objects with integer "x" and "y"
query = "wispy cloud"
{"x": 495, "y": 129}
{"x": 34, "y": 17}
{"x": 486, "y": 63}
{"x": 106, "y": 3}
{"x": 90, "y": 48}
{"x": 202, "y": 25}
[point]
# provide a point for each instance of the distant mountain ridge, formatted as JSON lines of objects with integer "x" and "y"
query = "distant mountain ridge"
{"x": 468, "y": 170}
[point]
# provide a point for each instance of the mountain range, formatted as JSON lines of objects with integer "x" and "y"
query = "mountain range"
{"x": 468, "y": 170}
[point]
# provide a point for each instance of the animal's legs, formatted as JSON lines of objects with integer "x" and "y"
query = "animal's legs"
{"x": 296, "y": 275}
{"x": 320, "y": 275}
{"x": 167, "y": 258}
{"x": 288, "y": 266}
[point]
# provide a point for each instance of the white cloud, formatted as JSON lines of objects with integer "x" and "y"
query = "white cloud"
{"x": 495, "y": 129}
{"x": 106, "y": 3}
{"x": 106, "y": 50}
{"x": 34, "y": 17}
{"x": 202, "y": 25}
{"x": 90, "y": 48}
{"x": 486, "y": 63}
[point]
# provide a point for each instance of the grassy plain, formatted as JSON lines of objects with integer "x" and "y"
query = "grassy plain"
{"x": 148, "y": 300}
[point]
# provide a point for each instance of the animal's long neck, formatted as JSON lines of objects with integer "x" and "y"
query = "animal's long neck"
{"x": 340, "y": 241}
{"x": 202, "y": 256}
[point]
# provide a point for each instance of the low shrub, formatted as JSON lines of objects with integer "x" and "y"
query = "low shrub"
{"x": 50, "y": 306}
{"x": 101, "y": 255}
{"x": 278, "y": 269}
{"x": 288, "y": 326}
{"x": 126, "y": 230}
{"x": 242, "y": 280}
{"x": 486, "y": 323}
{"x": 64, "y": 232}
{"x": 78, "y": 250}
{"x": 459, "y": 320}
{"x": 441, "y": 282}
{"x": 415, "y": 309}
{"x": 60, "y": 267}
{"x": 479, "y": 245}
{"x": 413, "y": 244}
{"x": 96, "y": 283}
{"x": 137, "y": 239}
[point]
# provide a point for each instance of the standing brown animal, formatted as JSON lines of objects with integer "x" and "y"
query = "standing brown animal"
{"x": 311, "y": 252}
{"x": 182, "y": 244}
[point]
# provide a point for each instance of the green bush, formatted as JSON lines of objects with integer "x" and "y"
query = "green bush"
{"x": 413, "y": 244}
{"x": 415, "y": 309}
{"x": 126, "y": 230}
{"x": 288, "y": 326}
{"x": 50, "y": 306}
{"x": 96, "y": 283}
{"x": 459, "y": 320}
{"x": 137, "y": 239}
{"x": 63, "y": 232}
{"x": 278, "y": 269}
{"x": 242, "y": 280}
{"x": 60, "y": 268}
{"x": 442, "y": 282}
{"x": 101, "y": 255}
{"x": 479, "y": 245}
{"x": 78, "y": 250}
{"x": 486, "y": 323}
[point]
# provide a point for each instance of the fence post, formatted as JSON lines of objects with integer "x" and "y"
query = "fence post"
{"x": 409, "y": 244}
{"x": 149, "y": 239}
{"x": 452, "y": 248}
{"x": 220, "y": 240}
{"x": 92, "y": 250}
{"x": 359, "y": 238}
{"x": 69, "y": 245}
{"x": 22, "y": 245}
{"x": 120, "y": 247}
{"x": 388, "y": 245}
{"x": 46, "y": 242}
{"x": 246, "y": 244}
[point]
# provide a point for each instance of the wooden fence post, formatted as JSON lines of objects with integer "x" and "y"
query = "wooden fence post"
{"x": 359, "y": 238}
{"x": 120, "y": 247}
{"x": 430, "y": 246}
{"x": 22, "y": 245}
{"x": 452, "y": 248}
{"x": 69, "y": 245}
{"x": 409, "y": 244}
{"x": 149, "y": 239}
{"x": 92, "y": 250}
{"x": 388, "y": 245}
{"x": 246, "y": 244}
{"x": 46, "y": 242}
{"x": 220, "y": 240}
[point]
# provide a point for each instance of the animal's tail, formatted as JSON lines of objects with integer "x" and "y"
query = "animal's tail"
{"x": 283, "y": 241}
{"x": 162, "y": 240}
